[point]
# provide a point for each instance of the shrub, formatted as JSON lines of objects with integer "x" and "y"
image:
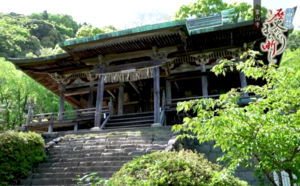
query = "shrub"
{"x": 18, "y": 153}
{"x": 170, "y": 169}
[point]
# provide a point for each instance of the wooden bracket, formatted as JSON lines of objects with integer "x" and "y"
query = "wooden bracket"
{"x": 183, "y": 37}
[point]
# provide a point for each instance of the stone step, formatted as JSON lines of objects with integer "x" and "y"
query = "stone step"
{"x": 85, "y": 159}
{"x": 142, "y": 135}
{"x": 119, "y": 119}
{"x": 129, "y": 122}
{"x": 130, "y": 130}
{"x": 127, "y": 126}
{"x": 94, "y": 154}
{"x": 106, "y": 142}
{"x": 49, "y": 181}
{"x": 72, "y": 175}
{"x": 83, "y": 164}
{"x": 91, "y": 147}
{"x": 78, "y": 170}
{"x": 131, "y": 115}
{"x": 103, "y": 150}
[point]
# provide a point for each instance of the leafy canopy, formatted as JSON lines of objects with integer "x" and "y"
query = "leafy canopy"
{"x": 266, "y": 130}
{"x": 203, "y": 8}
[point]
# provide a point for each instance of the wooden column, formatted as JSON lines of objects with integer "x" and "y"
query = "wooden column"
{"x": 156, "y": 86}
{"x": 50, "y": 128}
{"x": 62, "y": 101}
{"x": 111, "y": 107}
{"x": 243, "y": 82}
{"x": 91, "y": 95}
{"x": 204, "y": 81}
{"x": 99, "y": 101}
{"x": 120, "y": 100}
{"x": 168, "y": 91}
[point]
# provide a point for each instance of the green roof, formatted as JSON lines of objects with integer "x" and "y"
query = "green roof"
{"x": 124, "y": 32}
{"x": 38, "y": 59}
{"x": 182, "y": 23}
{"x": 222, "y": 27}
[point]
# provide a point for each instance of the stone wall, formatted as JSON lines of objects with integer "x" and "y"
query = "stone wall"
{"x": 211, "y": 153}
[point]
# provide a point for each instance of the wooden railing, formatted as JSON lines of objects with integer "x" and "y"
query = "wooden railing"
{"x": 171, "y": 103}
{"x": 72, "y": 117}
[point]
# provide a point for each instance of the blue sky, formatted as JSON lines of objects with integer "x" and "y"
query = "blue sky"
{"x": 118, "y": 12}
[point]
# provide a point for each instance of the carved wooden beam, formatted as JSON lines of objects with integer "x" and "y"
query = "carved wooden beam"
{"x": 80, "y": 90}
{"x": 118, "y": 68}
{"x": 107, "y": 59}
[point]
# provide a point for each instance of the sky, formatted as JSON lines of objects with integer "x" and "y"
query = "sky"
{"x": 119, "y": 13}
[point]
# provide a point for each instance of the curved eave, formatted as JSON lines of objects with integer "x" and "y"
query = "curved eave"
{"x": 110, "y": 37}
{"x": 22, "y": 62}
{"x": 223, "y": 27}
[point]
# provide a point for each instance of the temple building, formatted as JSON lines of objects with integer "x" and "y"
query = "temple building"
{"x": 135, "y": 77}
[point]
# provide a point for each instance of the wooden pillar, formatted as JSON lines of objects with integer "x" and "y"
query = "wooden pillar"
{"x": 91, "y": 95}
{"x": 50, "y": 128}
{"x": 62, "y": 101}
{"x": 77, "y": 123}
{"x": 156, "y": 86}
{"x": 111, "y": 108}
{"x": 204, "y": 82}
{"x": 99, "y": 101}
{"x": 243, "y": 81}
{"x": 120, "y": 100}
{"x": 168, "y": 91}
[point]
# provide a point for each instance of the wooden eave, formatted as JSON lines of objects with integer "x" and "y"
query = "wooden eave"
{"x": 114, "y": 46}
{"x": 124, "y": 35}
{"x": 38, "y": 61}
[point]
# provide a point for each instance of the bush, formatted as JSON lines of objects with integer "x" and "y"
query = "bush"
{"x": 18, "y": 153}
{"x": 170, "y": 169}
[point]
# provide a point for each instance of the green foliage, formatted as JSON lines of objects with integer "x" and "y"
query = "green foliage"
{"x": 168, "y": 168}
{"x": 19, "y": 152}
{"x": 13, "y": 34}
{"x": 16, "y": 89}
{"x": 293, "y": 42}
{"x": 88, "y": 30}
{"x": 266, "y": 130}
{"x": 203, "y": 8}
{"x": 64, "y": 23}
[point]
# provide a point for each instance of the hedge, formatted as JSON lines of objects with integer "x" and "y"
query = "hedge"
{"x": 19, "y": 152}
{"x": 183, "y": 168}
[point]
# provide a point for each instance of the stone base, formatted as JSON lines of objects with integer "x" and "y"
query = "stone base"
{"x": 156, "y": 125}
{"x": 95, "y": 129}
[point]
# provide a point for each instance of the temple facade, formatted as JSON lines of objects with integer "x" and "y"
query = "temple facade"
{"x": 141, "y": 72}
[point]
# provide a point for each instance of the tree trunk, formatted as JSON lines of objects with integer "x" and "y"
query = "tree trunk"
{"x": 291, "y": 177}
{"x": 279, "y": 178}
{"x": 270, "y": 178}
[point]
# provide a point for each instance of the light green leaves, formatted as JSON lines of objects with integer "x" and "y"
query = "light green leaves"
{"x": 266, "y": 130}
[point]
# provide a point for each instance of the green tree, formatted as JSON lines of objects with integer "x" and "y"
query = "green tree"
{"x": 203, "y": 8}
{"x": 16, "y": 89}
{"x": 293, "y": 42}
{"x": 265, "y": 133}
{"x": 88, "y": 30}
{"x": 13, "y": 34}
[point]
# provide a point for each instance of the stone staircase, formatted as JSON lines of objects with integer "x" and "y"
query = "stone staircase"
{"x": 144, "y": 119}
{"x": 103, "y": 152}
